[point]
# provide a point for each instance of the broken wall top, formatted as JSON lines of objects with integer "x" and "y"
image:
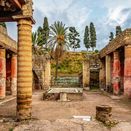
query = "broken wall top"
{"x": 6, "y": 41}
{"x": 121, "y": 40}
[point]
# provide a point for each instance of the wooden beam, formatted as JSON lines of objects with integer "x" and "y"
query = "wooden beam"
{"x": 6, "y": 19}
{"x": 22, "y": 1}
{"x": 16, "y": 3}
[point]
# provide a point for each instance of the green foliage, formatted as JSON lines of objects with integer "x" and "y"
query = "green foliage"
{"x": 87, "y": 38}
{"x": 96, "y": 51}
{"x": 71, "y": 63}
{"x": 3, "y": 24}
{"x": 111, "y": 37}
{"x": 45, "y": 33}
{"x": 40, "y": 37}
{"x": 37, "y": 37}
{"x": 58, "y": 41}
{"x": 118, "y": 30}
{"x": 74, "y": 38}
{"x": 11, "y": 129}
{"x": 40, "y": 40}
{"x": 92, "y": 36}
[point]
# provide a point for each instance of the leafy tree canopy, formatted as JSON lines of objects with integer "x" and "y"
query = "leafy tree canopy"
{"x": 111, "y": 37}
{"x": 74, "y": 38}
{"x": 118, "y": 30}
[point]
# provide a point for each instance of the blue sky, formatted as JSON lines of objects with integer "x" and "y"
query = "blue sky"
{"x": 105, "y": 14}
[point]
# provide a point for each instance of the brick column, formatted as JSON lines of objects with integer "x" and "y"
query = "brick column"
{"x": 2, "y": 74}
{"x": 86, "y": 74}
{"x": 108, "y": 72}
{"x": 47, "y": 74}
{"x": 116, "y": 73}
{"x": 102, "y": 75}
{"x": 13, "y": 74}
{"x": 127, "y": 71}
{"x": 24, "y": 81}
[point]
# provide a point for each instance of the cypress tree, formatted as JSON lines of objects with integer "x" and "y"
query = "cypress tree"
{"x": 118, "y": 30}
{"x": 111, "y": 37}
{"x": 87, "y": 38}
{"x": 45, "y": 32}
{"x": 92, "y": 36}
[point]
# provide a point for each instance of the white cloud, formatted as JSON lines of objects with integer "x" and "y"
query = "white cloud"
{"x": 50, "y": 6}
{"x": 80, "y": 13}
{"x": 68, "y": 11}
{"x": 117, "y": 16}
{"x": 112, "y": 4}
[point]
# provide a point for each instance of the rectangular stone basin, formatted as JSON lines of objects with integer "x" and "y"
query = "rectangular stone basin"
{"x": 67, "y": 93}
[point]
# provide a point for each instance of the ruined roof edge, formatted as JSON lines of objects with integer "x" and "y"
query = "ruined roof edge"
{"x": 121, "y": 40}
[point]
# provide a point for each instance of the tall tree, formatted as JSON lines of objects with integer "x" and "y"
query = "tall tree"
{"x": 74, "y": 38}
{"x": 42, "y": 34}
{"x": 45, "y": 32}
{"x": 92, "y": 36}
{"x": 118, "y": 30}
{"x": 58, "y": 41}
{"x": 87, "y": 38}
{"x": 111, "y": 37}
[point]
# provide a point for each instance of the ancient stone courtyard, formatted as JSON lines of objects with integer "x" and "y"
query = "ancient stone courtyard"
{"x": 58, "y": 116}
{"x": 54, "y": 77}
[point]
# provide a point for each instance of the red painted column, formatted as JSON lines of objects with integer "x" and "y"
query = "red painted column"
{"x": 127, "y": 71}
{"x": 13, "y": 74}
{"x": 116, "y": 73}
{"x": 2, "y": 73}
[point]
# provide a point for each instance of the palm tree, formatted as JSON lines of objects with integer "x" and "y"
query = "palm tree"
{"x": 58, "y": 41}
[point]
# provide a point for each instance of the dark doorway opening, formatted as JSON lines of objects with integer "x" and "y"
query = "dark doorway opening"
{"x": 122, "y": 57}
{"x": 94, "y": 79}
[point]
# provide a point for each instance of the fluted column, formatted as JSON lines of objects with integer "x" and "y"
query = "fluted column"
{"x": 13, "y": 74}
{"x": 116, "y": 73}
{"x": 108, "y": 72}
{"x": 24, "y": 82}
{"x": 127, "y": 71}
{"x": 2, "y": 74}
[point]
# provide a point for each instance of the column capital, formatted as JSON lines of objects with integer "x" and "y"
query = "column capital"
{"x": 24, "y": 21}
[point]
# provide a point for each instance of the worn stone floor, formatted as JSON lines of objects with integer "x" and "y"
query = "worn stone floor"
{"x": 58, "y": 116}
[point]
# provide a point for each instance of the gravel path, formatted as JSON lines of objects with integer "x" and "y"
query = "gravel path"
{"x": 57, "y": 116}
